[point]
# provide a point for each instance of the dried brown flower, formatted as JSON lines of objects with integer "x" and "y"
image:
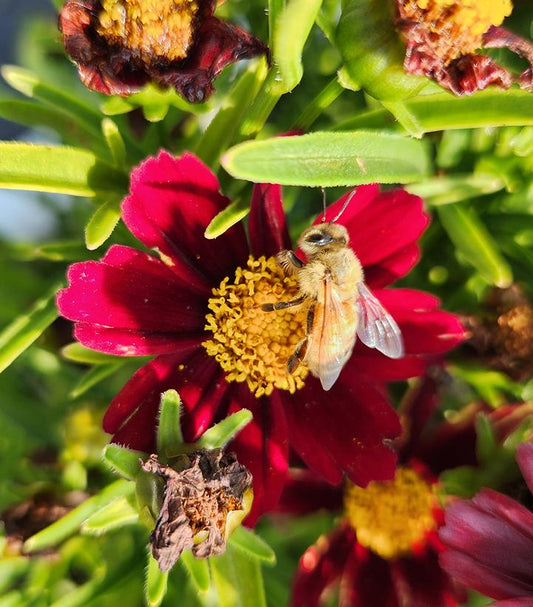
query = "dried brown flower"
{"x": 198, "y": 498}
{"x": 442, "y": 38}
{"x": 120, "y": 45}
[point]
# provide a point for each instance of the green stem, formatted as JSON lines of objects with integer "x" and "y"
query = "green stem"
{"x": 323, "y": 100}
{"x": 261, "y": 108}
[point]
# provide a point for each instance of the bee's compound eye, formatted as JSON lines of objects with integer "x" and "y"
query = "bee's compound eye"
{"x": 318, "y": 238}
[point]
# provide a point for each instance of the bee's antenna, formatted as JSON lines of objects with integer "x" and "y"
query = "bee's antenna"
{"x": 323, "y": 205}
{"x": 346, "y": 203}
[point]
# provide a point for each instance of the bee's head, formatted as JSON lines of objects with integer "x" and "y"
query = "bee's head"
{"x": 323, "y": 236}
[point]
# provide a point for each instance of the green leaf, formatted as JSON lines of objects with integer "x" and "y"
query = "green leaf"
{"x": 198, "y": 570}
{"x": 442, "y": 111}
{"x": 237, "y": 579}
{"x": 485, "y": 439}
{"x": 66, "y": 250}
{"x": 221, "y": 434}
{"x": 59, "y": 169}
{"x": 169, "y": 436}
{"x": 124, "y": 461}
{"x": 471, "y": 238}
{"x": 329, "y": 159}
{"x": 80, "y": 354}
{"x": 117, "y": 514}
{"x": 439, "y": 191}
{"x": 223, "y": 127}
{"x": 30, "y": 85}
{"x": 250, "y": 543}
{"x": 373, "y": 52}
{"x": 114, "y": 141}
{"x": 156, "y": 583}
{"x": 227, "y": 218}
{"x": 70, "y": 523}
{"x": 291, "y": 31}
{"x": 102, "y": 223}
{"x": 26, "y": 328}
{"x": 93, "y": 377}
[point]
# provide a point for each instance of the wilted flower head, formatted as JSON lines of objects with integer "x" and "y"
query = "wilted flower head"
{"x": 443, "y": 36}
{"x": 201, "y": 489}
{"x": 120, "y": 45}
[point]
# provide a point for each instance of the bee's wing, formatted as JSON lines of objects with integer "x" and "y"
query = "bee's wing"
{"x": 376, "y": 327}
{"x": 332, "y": 336}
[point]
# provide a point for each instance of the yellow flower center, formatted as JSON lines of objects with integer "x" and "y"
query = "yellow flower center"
{"x": 390, "y": 517}
{"x": 151, "y": 29}
{"x": 457, "y": 25}
{"x": 250, "y": 344}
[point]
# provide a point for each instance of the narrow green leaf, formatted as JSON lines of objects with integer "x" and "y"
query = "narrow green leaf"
{"x": 228, "y": 217}
{"x": 169, "y": 436}
{"x": 114, "y": 141}
{"x": 123, "y": 461}
{"x": 249, "y": 542}
{"x": 80, "y": 354}
{"x": 237, "y": 579}
{"x": 322, "y": 101}
{"x": 102, "y": 223}
{"x": 329, "y": 159}
{"x": 11, "y": 569}
{"x": 221, "y": 434}
{"x": 291, "y": 31}
{"x": 114, "y": 515}
{"x": 66, "y": 250}
{"x": 70, "y": 523}
{"x": 26, "y": 328}
{"x": 156, "y": 583}
{"x": 405, "y": 117}
{"x": 472, "y": 239}
{"x": 485, "y": 439}
{"x": 30, "y": 85}
{"x": 59, "y": 169}
{"x": 198, "y": 570}
{"x": 439, "y": 191}
{"x": 32, "y": 114}
{"x": 442, "y": 111}
{"x": 93, "y": 377}
{"x": 114, "y": 106}
{"x": 222, "y": 128}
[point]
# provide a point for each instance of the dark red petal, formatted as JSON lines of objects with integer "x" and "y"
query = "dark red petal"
{"x": 393, "y": 267}
{"x": 489, "y": 543}
{"x": 171, "y": 202}
{"x": 127, "y": 342}
{"x": 420, "y": 582}
{"x": 320, "y": 566}
{"x": 394, "y": 221}
{"x": 304, "y": 492}
{"x": 267, "y": 227}
{"x": 342, "y": 430}
{"x": 196, "y": 376}
{"x": 471, "y": 73}
{"x": 262, "y": 446}
{"x": 217, "y": 45}
{"x": 520, "y": 602}
{"x": 141, "y": 295}
{"x": 524, "y": 457}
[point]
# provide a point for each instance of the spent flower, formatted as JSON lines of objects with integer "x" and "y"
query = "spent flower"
{"x": 443, "y": 36}
{"x": 199, "y": 309}
{"x": 120, "y": 45}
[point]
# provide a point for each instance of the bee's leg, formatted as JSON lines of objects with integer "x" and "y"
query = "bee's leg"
{"x": 301, "y": 349}
{"x": 281, "y": 305}
{"x": 289, "y": 262}
{"x": 297, "y": 356}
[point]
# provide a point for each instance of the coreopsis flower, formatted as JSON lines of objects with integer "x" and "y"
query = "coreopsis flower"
{"x": 442, "y": 38}
{"x": 120, "y": 45}
{"x": 489, "y": 542}
{"x": 384, "y": 551}
{"x": 198, "y": 308}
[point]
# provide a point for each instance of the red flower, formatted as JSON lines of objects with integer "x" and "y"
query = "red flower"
{"x": 132, "y": 303}
{"x": 489, "y": 542}
{"x": 121, "y": 46}
{"x": 384, "y": 552}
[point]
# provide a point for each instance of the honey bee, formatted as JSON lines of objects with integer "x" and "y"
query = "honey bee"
{"x": 340, "y": 305}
